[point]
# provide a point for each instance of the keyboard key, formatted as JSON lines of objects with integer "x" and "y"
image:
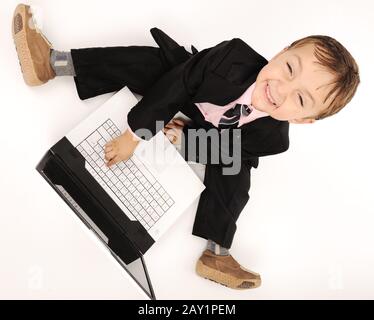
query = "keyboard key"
{"x": 149, "y": 210}
{"x": 110, "y": 174}
{"x": 124, "y": 191}
{"x": 95, "y": 156}
{"x": 156, "y": 185}
{"x": 126, "y": 183}
{"x": 129, "y": 163}
{"x": 98, "y": 148}
{"x": 159, "y": 210}
{"x": 156, "y": 196}
{"x": 101, "y": 143}
{"x": 155, "y": 216}
{"x": 147, "y": 185}
{"x": 87, "y": 147}
{"x": 119, "y": 185}
{"x": 151, "y": 223}
{"x": 93, "y": 138}
{"x": 105, "y": 135}
{"x": 114, "y": 179}
{"x": 165, "y": 196}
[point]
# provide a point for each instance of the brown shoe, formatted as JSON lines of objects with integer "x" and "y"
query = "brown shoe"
{"x": 32, "y": 47}
{"x": 227, "y": 271}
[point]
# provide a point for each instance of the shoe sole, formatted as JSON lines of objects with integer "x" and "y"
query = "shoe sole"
{"x": 223, "y": 278}
{"x": 23, "y": 51}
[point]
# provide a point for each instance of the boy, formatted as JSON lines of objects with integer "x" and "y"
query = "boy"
{"x": 227, "y": 87}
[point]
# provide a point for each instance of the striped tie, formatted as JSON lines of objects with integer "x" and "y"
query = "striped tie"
{"x": 231, "y": 117}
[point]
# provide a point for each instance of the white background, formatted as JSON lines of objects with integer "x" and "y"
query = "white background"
{"x": 308, "y": 226}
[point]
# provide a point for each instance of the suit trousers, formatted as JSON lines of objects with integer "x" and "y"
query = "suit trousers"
{"x": 102, "y": 70}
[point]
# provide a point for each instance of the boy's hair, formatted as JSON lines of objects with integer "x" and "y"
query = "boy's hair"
{"x": 332, "y": 55}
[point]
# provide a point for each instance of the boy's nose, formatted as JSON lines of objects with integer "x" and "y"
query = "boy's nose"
{"x": 281, "y": 91}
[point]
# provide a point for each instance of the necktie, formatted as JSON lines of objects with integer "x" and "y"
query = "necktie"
{"x": 231, "y": 117}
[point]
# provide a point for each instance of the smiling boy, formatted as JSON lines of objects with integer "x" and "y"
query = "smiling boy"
{"x": 228, "y": 86}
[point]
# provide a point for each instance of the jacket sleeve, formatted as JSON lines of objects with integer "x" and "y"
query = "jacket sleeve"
{"x": 164, "y": 99}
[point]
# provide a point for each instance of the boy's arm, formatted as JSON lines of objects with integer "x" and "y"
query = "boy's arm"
{"x": 164, "y": 99}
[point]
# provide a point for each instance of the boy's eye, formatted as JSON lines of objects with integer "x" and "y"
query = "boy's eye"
{"x": 301, "y": 100}
{"x": 289, "y": 68}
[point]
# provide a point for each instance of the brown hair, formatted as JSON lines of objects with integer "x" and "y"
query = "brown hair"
{"x": 332, "y": 55}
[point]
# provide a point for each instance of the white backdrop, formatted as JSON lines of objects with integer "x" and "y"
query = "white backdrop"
{"x": 308, "y": 226}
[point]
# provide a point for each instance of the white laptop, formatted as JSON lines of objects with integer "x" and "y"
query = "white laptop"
{"x": 130, "y": 205}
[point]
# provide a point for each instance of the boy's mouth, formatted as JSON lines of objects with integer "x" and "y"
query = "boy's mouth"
{"x": 268, "y": 97}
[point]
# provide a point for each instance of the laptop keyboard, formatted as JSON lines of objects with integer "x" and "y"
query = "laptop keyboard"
{"x": 132, "y": 183}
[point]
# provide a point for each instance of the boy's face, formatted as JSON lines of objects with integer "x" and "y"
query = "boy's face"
{"x": 290, "y": 91}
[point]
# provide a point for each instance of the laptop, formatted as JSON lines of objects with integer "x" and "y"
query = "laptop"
{"x": 130, "y": 205}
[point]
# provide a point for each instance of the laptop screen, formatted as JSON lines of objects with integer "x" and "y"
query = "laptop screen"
{"x": 129, "y": 257}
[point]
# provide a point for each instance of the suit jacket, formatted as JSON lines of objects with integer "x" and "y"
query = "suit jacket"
{"x": 218, "y": 75}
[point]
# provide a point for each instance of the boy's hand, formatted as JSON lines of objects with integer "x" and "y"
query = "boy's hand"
{"x": 120, "y": 148}
{"x": 173, "y": 131}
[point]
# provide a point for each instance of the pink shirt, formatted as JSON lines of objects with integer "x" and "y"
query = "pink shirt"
{"x": 213, "y": 113}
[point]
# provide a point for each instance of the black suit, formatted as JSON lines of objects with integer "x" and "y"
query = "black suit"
{"x": 171, "y": 80}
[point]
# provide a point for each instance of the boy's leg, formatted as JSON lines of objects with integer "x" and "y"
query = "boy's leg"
{"x": 101, "y": 70}
{"x": 221, "y": 203}
{"x": 98, "y": 70}
{"x": 219, "y": 207}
